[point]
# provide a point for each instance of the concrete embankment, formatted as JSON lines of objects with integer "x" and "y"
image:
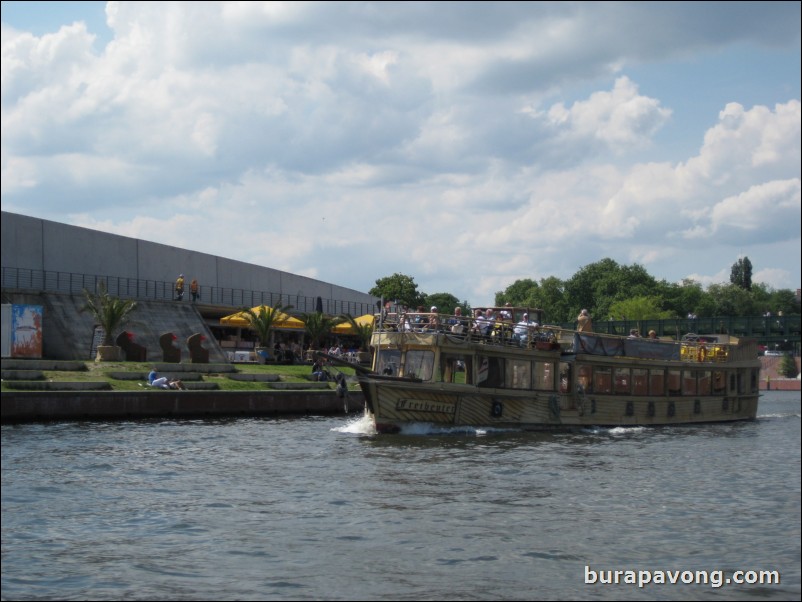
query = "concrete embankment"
{"x": 34, "y": 406}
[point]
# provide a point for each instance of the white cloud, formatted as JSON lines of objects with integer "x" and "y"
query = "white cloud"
{"x": 466, "y": 145}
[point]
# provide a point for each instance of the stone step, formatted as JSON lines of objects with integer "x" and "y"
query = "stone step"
{"x": 249, "y": 377}
{"x": 53, "y": 365}
{"x": 44, "y": 385}
{"x": 300, "y": 386}
{"x": 168, "y": 368}
{"x": 185, "y": 376}
{"x": 22, "y": 374}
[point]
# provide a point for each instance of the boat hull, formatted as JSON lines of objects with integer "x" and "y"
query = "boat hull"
{"x": 394, "y": 405}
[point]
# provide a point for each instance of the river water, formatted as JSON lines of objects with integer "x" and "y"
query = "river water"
{"x": 323, "y": 509}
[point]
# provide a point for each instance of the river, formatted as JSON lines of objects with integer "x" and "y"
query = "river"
{"x": 323, "y": 509}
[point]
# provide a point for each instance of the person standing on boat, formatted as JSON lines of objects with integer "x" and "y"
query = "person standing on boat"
{"x": 193, "y": 289}
{"x": 584, "y": 323}
{"x": 520, "y": 332}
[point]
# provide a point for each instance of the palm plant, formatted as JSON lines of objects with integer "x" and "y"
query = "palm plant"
{"x": 110, "y": 312}
{"x": 261, "y": 320}
{"x": 364, "y": 332}
{"x": 318, "y": 325}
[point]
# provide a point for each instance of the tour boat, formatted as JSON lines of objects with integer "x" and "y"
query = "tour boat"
{"x": 454, "y": 371}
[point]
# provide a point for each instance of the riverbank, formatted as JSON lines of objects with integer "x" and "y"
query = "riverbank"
{"x": 46, "y": 390}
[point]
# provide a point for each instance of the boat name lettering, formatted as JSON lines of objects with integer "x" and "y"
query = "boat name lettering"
{"x": 424, "y": 405}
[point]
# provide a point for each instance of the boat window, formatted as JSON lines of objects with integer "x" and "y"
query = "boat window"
{"x": 640, "y": 381}
{"x": 602, "y": 380}
{"x": 491, "y": 371}
{"x": 584, "y": 378}
{"x": 704, "y": 382}
{"x": 453, "y": 368}
{"x": 719, "y": 381}
{"x": 755, "y": 380}
{"x": 389, "y": 361}
{"x": 689, "y": 382}
{"x": 732, "y": 382}
{"x": 623, "y": 380}
{"x": 657, "y": 382}
{"x": 741, "y": 382}
{"x": 518, "y": 374}
{"x": 674, "y": 382}
{"x": 565, "y": 377}
{"x": 544, "y": 376}
{"x": 419, "y": 364}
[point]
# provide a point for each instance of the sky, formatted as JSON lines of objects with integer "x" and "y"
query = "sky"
{"x": 467, "y": 145}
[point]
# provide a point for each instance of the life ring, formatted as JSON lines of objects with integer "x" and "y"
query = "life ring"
{"x": 701, "y": 355}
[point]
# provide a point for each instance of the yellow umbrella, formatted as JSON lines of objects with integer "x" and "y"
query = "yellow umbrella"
{"x": 346, "y": 328}
{"x": 282, "y": 320}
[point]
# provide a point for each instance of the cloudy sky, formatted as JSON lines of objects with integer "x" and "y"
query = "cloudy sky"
{"x": 464, "y": 144}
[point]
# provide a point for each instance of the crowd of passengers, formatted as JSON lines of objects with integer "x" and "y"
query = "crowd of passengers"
{"x": 485, "y": 324}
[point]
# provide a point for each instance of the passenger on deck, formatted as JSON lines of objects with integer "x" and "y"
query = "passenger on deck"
{"x": 584, "y": 323}
{"x": 521, "y": 331}
{"x": 634, "y": 334}
{"x": 505, "y": 314}
{"x": 457, "y": 323}
{"x": 652, "y": 335}
{"x": 419, "y": 321}
{"x": 433, "y": 324}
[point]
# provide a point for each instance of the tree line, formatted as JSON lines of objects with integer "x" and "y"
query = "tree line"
{"x": 614, "y": 292}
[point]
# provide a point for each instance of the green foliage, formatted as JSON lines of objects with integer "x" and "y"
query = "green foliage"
{"x": 261, "y": 320}
{"x": 602, "y": 285}
{"x": 598, "y": 285}
{"x": 111, "y": 313}
{"x": 318, "y": 326}
{"x": 741, "y": 274}
{"x": 445, "y": 302}
{"x": 638, "y": 308}
{"x": 399, "y": 288}
{"x": 787, "y": 366}
{"x": 731, "y": 300}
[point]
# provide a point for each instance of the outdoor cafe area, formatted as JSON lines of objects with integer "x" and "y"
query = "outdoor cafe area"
{"x": 288, "y": 343}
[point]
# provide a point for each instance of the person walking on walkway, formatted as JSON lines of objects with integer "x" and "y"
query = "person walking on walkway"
{"x": 193, "y": 289}
{"x": 179, "y": 288}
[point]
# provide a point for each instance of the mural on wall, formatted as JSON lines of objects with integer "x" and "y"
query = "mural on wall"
{"x": 26, "y": 334}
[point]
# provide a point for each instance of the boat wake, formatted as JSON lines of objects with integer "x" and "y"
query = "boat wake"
{"x": 362, "y": 425}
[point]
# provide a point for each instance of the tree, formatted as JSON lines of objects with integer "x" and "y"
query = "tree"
{"x": 639, "y": 308}
{"x": 787, "y": 366}
{"x": 318, "y": 326}
{"x": 598, "y": 285}
{"x": 261, "y": 320}
{"x": 731, "y": 300}
{"x": 399, "y": 288}
{"x": 520, "y": 293}
{"x": 110, "y": 312}
{"x": 445, "y": 302}
{"x": 741, "y": 274}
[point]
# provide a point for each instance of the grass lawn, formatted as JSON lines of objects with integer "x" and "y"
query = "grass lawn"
{"x": 101, "y": 371}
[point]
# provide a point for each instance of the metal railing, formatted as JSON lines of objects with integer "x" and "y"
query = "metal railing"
{"x": 138, "y": 288}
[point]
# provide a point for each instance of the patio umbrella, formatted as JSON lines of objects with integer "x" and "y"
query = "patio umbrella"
{"x": 346, "y": 328}
{"x": 281, "y": 321}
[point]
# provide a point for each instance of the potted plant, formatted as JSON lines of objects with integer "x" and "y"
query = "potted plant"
{"x": 261, "y": 320}
{"x": 111, "y": 313}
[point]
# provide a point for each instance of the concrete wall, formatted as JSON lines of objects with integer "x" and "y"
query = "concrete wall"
{"x": 38, "y": 244}
{"x": 67, "y": 330}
